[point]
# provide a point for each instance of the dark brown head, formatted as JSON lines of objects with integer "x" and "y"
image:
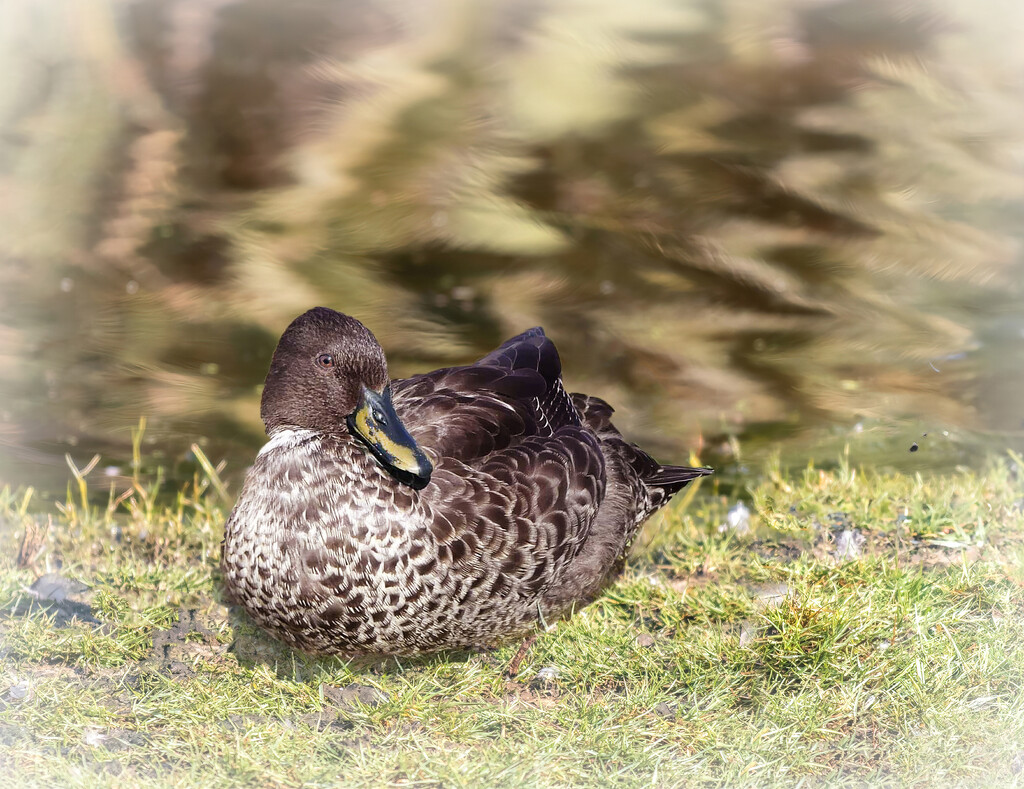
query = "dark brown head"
{"x": 329, "y": 374}
{"x": 321, "y": 364}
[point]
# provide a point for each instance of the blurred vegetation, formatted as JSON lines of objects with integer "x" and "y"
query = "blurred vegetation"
{"x": 764, "y": 221}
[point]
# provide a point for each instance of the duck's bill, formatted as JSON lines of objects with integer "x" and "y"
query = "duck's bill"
{"x": 375, "y": 423}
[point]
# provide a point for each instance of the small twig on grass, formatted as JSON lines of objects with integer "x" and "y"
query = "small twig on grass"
{"x": 33, "y": 541}
{"x": 524, "y": 648}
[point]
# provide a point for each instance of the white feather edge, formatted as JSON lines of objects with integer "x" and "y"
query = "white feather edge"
{"x": 286, "y": 438}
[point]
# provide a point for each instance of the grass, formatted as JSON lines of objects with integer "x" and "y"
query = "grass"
{"x": 720, "y": 659}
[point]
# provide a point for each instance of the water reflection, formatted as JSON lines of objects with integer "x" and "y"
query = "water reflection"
{"x": 775, "y": 224}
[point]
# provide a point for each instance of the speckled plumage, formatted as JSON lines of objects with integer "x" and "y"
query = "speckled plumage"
{"x": 533, "y": 502}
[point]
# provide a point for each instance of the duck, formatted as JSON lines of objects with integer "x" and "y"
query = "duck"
{"x": 453, "y": 510}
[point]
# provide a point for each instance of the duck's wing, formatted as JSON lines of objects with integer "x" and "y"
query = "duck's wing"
{"x": 519, "y": 480}
{"x": 516, "y": 520}
{"x": 532, "y": 351}
{"x": 469, "y": 412}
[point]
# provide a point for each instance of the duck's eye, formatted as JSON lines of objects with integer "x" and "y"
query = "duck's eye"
{"x": 325, "y": 360}
{"x": 380, "y": 418}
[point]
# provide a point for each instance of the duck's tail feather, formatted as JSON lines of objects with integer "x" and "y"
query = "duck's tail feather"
{"x": 671, "y": 479}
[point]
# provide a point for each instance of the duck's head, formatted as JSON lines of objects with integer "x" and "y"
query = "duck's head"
{"x": 329, "y": 374}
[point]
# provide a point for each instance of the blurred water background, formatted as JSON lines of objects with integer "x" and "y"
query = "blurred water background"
{"x": 752, "y": 226}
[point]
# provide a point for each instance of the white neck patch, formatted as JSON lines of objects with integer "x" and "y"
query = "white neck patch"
{"x": 288, "y": 438}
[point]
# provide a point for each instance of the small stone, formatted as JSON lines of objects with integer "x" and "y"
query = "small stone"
{"x": 54, "y": 586}
{"x": 353, "y": 695}
{"x": 93, "y": 736}
{"x": 737, "y": 520}
{"x": 19, "y": 691}
{"x": 849, "y": 545}
{"x": 645, "y": 640}
{"x": 545, "y": 678}
{"x": 770, "y": 596}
